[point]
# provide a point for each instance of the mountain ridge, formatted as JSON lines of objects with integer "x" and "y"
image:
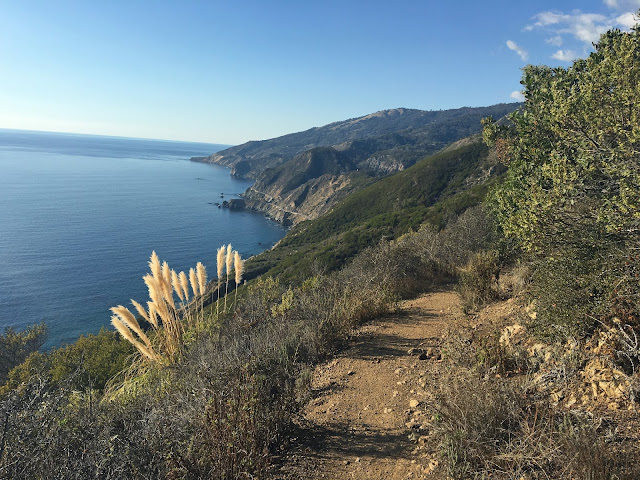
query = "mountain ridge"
{"x": 252, "y": 158}
{"x": 313, "y": 181}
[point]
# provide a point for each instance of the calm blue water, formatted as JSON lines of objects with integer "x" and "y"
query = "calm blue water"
{"x": 80, "y": 215}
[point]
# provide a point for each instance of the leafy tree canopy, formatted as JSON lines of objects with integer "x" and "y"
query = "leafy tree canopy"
{"x": 573, "y": 149}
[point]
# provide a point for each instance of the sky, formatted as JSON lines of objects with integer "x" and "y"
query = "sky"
{"x": 233, "y": 71}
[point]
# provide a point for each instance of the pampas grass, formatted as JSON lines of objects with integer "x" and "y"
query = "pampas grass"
{"x": 201, "y": 273}
{"x": 220, "y": 257}
{"x": 126, "y": 333}
{"x": 171, "y": 319}
{"x": 229, "y": 262}
{"x": 177, "y": 287}
{"x": 184, "y": 284}
{"x": 238, "y": 266}
{"x": 193, "y": 280}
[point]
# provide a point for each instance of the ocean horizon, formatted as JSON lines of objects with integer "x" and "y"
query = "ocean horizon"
{"x": 80, "y": 215}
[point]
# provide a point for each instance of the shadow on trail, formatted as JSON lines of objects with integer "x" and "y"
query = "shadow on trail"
{"x": 338, "y": 440}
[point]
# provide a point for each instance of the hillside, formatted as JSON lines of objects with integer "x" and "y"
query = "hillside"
{"x": 438, "y": 186}
{"x": 413, "y": 126}
{"x": 306, "y": 186}
{"x": 303, "y": 175}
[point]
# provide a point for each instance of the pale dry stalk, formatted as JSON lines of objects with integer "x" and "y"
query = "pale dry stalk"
{"x": 238, "y": 266}
{"x": 220, "y": 265}
{"x": 229, "y": 262}
{"x": 201, "y": 273}
{"x": 122, "y": 328}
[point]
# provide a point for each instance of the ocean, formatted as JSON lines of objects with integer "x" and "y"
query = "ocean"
{"x": 81, "y": 214}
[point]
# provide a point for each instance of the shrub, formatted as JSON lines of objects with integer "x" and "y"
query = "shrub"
{"x": 16, "y": 346}
{"x": 88, "y": 363}
{"x": 478, "y": 280}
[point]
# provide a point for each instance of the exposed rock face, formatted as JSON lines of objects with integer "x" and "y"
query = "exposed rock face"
{"x": 307, "y": 201}
{"x": 234, "y": 204}
{"x": 303, "y": 188}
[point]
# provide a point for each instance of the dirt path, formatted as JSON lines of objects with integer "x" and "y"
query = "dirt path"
{"x": 358, "y": 423}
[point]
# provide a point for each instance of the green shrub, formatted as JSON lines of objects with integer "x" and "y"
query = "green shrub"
{"x": 16, "y": 346}
{"x": 90, "y": 362}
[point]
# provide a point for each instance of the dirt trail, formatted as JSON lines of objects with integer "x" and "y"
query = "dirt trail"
{"x": 356, "y": 425}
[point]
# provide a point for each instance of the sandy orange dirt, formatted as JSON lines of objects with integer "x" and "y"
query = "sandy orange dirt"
{"x": 358, "y": 422}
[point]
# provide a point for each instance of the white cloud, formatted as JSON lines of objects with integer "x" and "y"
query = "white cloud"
{"x": 627, "y": 20}
{"x": 565, "y": 55}
{"x": 577, "y": 31}
{"x": 586, "y": 27}
{"x": 517, "y": 95}
{"x": 555, "y": 41}
{"x": 623, "y": 4}
{"x": 518, "y": 49}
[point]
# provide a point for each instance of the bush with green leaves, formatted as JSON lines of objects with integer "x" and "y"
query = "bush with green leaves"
{"x": 90, "y": 362}
{"x": 16, "y": 346}
{"x": 571, "y": 196}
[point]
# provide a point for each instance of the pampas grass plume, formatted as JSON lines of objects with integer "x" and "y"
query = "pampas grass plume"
{"x": 130, "y": 321}
{"x": 175, "y": 281}
{"x": 194, "y": 281}
{"x": 220, "y": 261}
{"x": 202, "y": 277}
{"x": 154, "y": 265}
{"x": 155, "y": 291}
{"x": 229, "y": 259}
{"x": 126, "y": 333}
{"x": 184, "y": 283}
{"x": 141, "y": 311}
{"x": 123, "y": 330}
{"x": 165, "y": 282}
{"x": 238, "y": 266}
{"x": 153, "y": 314}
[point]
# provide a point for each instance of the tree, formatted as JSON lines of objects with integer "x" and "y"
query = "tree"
{"x": 572, "y": 190}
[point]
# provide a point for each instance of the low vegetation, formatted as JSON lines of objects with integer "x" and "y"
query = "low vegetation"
{"x": 219, "y": 408}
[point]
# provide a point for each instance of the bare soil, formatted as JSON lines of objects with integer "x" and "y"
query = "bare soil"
{"x": 358, "y": 422}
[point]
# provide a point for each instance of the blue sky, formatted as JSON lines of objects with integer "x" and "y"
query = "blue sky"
{"x": 233, "y": 71}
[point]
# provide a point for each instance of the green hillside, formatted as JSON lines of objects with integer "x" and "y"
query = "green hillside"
{"x": 434, "y": 188}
